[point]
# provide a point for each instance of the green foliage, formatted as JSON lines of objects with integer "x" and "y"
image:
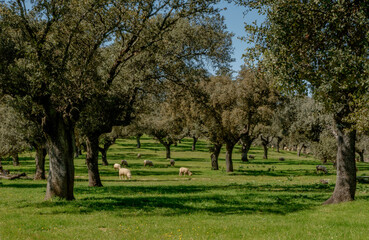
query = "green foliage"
{"x": 316, "y": 46}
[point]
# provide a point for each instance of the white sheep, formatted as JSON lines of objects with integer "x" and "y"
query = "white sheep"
{"x": 124, "y": 173}
{"x": 116, "y": 166}
{"x": 124, "y": 163}
{"x": 184, "y": 171}
{"x": 139, "y": 155}
{"x": 321, "y": 168}
{"x": 148, "y": 163}
{"x": 172, "y": 162}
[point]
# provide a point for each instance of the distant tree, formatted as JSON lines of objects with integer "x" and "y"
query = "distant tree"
{"x": 362, "y": 146}
{"x": 107, "y": 140}
{"x": 321, "y": 47}
{"x": 258, "y": 99}
{"x": 12, "y": 130}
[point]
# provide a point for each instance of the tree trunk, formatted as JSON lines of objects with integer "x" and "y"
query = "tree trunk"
{"x": 300, "y": 149}
{"x": 60, "y": 142}
{"x": 279, "y": 139}
{"x": 246, "y": 145}
{"x": 138, "y": 139}
{"x": 194, "y": 143}
{"x": 346, "y": 167}
{"x": 76, "y": 153}
{"x": 104, "y": 157}
{"x": 92, "y": 157}
{"x": 40, "y": 162}
{"x": 361, "y": 155}
{"x": 265, "y": 147}
{"x": 229, "y": 163}
{"x": 167, "y": 149}
{"x": 215, "y": 156}
{"x": 15, "y": 158}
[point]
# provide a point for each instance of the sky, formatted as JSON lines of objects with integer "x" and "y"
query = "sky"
{"x": 235, "y": 19}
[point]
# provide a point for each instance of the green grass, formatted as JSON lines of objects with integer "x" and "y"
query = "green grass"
{"x": 263, "y": 199}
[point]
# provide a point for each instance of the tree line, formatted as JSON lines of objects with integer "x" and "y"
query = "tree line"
{"x": 77, "y": 75}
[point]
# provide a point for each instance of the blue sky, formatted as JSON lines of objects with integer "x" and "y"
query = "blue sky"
{"x": 235, "y": 19}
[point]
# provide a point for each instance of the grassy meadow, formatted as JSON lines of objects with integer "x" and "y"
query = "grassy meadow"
{"x": 262, "y": 199}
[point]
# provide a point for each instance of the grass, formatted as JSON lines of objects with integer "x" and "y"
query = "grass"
{"x": 263, "y": 199}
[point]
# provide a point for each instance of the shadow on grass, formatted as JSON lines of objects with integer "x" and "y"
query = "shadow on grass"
{"x": 281, "y": 173}
{"x": 181, "y": 200}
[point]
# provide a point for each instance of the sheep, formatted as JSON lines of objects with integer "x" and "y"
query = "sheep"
{"x": 252, "y": 156}
{"x": 148, "y": 163}
{"x": 139, "y": 155}
{"x": 116, "y": 166}
{"x": 172, "y": 162}
{"x": 281, "y": 159}
{"x": 124, "y": 173}
{"x": 321, "y": 168}
{"x": 124, "y": 163}
{"x": 323, "y": 181}
{"x": 183, "y": 171}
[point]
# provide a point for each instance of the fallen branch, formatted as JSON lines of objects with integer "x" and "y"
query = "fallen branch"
{"x": 11, "y": 177}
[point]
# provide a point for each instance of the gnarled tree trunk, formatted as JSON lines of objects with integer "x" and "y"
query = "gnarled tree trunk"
{"x": 104, "y": 157}
{"x": 246, "y": 145}
{"x": 361, "y": 154}
{"x": 92, "y": 157}
{"x": 138, "y": 139}
{"x": 167, "y": 149}
{"x": 229, "y": 162}
{"x": 194, "y": 143}
{"x": 15, "y": 158}
{"x": 60, "y": 142}
{"x": 40, "y": 162}
{"x": 346, "y": 167}
{"x": 215, "y": 156}
{"x": 265, "y": 148}
{"x": 300, "y": 150}
{"x": 279, "y": 139}
{"x": 265, "y": 141}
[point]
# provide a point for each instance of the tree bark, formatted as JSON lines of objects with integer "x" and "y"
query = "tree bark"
{"x": 40, "y": 162}
{"x": 361, "y": 154}
{"x": 104, "y": 157}
{"x": 229, "y": 150}
{"x": 265, "y": 148}
{"x": 194, "y": 143}
{"x": 215, "y": 156}
{"x": 138, "y": 139}
{"x": 61, "y": 143}
{"x": 279, "y": 139}
{"x": 246, "y": 145}
{"x": 265, "y": 141}
{"x": 92, "y": 157}
{"x": 346, "y": 167}
{"x": 76, "y": 153}
{"x": 15, "y": 158}
{"x": 167, "y": 150}
{"x": 300, "y": 149}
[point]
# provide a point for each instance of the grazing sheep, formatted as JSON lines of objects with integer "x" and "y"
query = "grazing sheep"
{"x": 148, "y": 163}
{"x": 322, "y": 181}
{"x": 172, "y": 162}
{"x": 252, "y": 156}
{"x": 139, "y": 155}
{"x": 116, "y": 166}
{"x": 124, "y": 163}
{"x": 184, "y": 171}
{"x": 321, "y": 168}
{"x": 124, "y": 173}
